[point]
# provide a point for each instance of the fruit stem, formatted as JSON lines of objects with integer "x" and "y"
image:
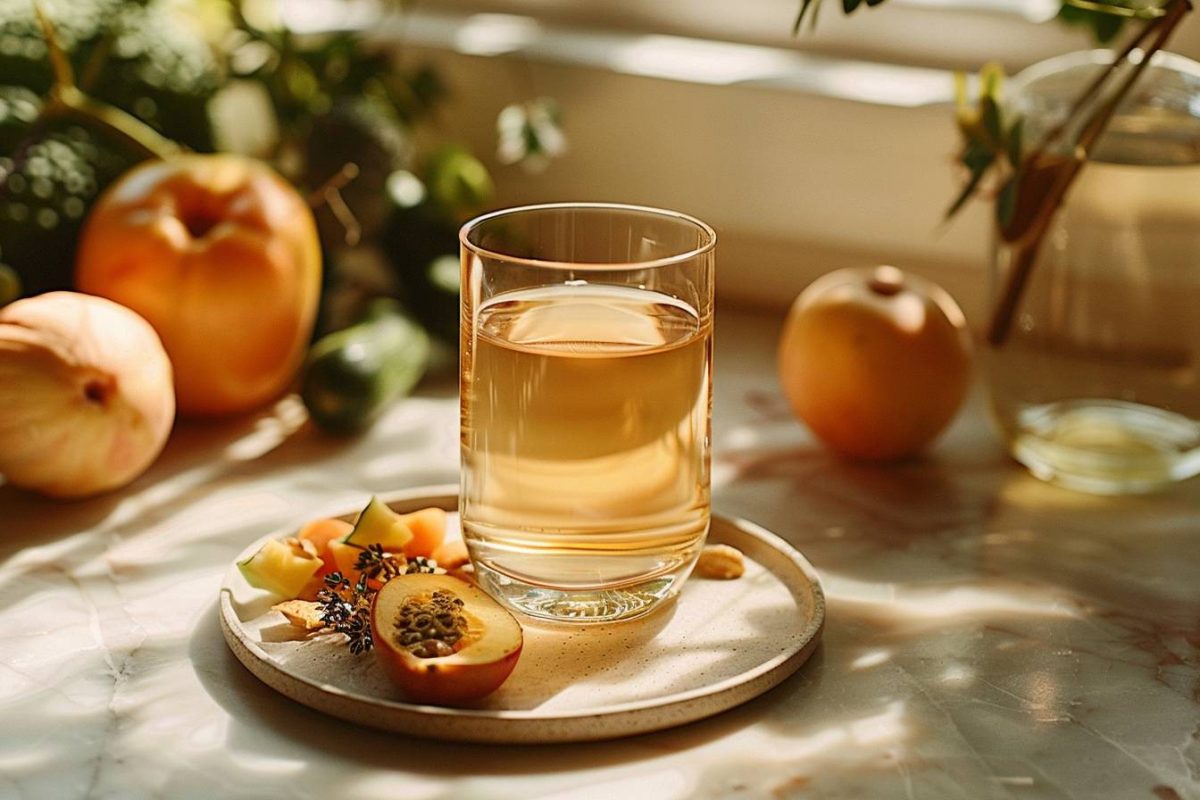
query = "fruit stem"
{"x": 887, "y": 281}
{"x": 98, "y": 390}
{"x": 330, "y": 194}
{"x": 1042, "y": 188}
{"x": 68, "y": 101}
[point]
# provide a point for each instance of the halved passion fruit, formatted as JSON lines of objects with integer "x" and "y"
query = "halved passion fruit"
{"x": 442, "y": 640}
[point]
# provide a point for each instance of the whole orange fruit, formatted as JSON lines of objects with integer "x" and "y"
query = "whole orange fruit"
{"x": 875, "y": 361}
{"x": 220, "y": 255}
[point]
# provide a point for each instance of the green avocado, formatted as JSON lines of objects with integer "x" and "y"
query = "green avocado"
{"x": 354, "y": 374}
{"x": 422, "y": 249}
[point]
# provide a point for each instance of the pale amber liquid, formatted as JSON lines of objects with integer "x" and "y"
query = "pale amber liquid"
{"x": 1097, "y": 384}
{"x": 585, "y": 436}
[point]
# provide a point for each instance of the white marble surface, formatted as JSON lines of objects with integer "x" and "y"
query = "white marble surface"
{"x": 988, "y": 636}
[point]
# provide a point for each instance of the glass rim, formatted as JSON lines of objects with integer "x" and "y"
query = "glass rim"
{"x": 709, "y": 236}
{"x": 1024, "y": 80}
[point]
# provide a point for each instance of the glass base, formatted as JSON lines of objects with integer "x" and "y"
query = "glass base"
{"x": 1107, "y": 446}
{"x": 581, "y": 606}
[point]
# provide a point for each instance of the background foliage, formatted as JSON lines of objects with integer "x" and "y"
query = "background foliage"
{"x": 230, "y": 75}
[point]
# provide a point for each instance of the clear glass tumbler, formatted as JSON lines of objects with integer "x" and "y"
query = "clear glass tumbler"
{"x": 1097, "y": 385}
{"x": 586, "y": 405}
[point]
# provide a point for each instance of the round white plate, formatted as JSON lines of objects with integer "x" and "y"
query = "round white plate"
{"x": 718, "y": 645}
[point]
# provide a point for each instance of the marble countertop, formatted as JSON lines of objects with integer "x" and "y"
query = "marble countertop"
{"x": 988, "y": 636}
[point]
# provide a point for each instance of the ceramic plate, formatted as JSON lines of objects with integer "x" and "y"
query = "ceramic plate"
{"x": 718, "y": 645}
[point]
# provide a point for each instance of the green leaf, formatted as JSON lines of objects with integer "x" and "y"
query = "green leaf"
{"x": 1016, "y": 141}
{"x": 989, "y": 117}
{"x": 967, "y": 192}
{"x": 1006, "y": 201}
{"x": 812, "y": 7}
{"x": 1104, "y": 27}
{"x": 530, "y": 133}
{"x": 977, "y": 156}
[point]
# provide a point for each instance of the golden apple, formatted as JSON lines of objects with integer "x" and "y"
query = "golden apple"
{"x": 220, "y": 254}
{"x": 875, "y": 361}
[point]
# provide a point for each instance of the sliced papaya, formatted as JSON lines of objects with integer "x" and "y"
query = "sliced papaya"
{"x": 428, "y": 526}
{"x": 322, "y": 532}
{"x": 344, "y": 557}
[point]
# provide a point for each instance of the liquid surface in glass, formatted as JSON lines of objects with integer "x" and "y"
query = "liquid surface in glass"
{"x": 585, "y": 436}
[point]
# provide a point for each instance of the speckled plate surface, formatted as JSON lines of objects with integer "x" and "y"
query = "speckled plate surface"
{"x": 718, "y": 645}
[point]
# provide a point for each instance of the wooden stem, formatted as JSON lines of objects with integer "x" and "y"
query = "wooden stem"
{"x": 330, "y": 194}
{"x": 68, "y": 101}
{"x": 1046, "y": 179}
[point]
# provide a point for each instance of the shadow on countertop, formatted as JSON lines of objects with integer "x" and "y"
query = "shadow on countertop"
{"x": 344, "y": 748}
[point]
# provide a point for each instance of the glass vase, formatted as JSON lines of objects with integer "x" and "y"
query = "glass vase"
{"x": 1096, "y": 384}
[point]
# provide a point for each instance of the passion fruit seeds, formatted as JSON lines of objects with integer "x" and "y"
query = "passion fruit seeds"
{"x": 431, "y": 627}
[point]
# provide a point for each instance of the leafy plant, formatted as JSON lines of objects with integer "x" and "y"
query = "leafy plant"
{"x": 125, "y": 64}
{"x": 106, "y": 83}
{"x": 1104, "y": 18}
{"x": 991, "y": 142}
{"x": 1034, "y": 179}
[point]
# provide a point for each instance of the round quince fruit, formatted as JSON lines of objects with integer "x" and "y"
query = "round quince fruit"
{"x": 875, "y": 361}
{"x": 85, "y": 394}
{"x": 221, "y": 255}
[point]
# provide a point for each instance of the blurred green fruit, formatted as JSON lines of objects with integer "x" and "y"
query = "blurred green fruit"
{"x": 353, "y": 375}
{"x": 144, "y": 56}
{"x": 10, "y": 285}
{"x": 45, "y": 199}
{"x": 458, "y": 182}
{"x": 365, "y": 132}
{"x": 420, "y": 245}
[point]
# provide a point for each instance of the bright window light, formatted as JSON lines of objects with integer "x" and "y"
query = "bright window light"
{"x": 1032, "y": 10}
{"x": 496, "y": 34}
{"x": 699, "y": 61}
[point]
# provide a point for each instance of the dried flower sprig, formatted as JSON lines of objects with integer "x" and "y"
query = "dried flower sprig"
{"x": 346, "y": 608}
{"x": 376, "y": 563}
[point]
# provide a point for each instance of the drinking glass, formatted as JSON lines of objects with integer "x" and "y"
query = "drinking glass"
{"x": 586, "y": 405}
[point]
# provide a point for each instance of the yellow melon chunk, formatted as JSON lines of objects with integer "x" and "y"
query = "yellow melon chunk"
{"x": 280, "y": 568}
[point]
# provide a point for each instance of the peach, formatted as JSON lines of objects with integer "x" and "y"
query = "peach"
{"x": 86, "y": 403}
{"x": 875, "y": 361}
{"x": 220, "y": 254}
